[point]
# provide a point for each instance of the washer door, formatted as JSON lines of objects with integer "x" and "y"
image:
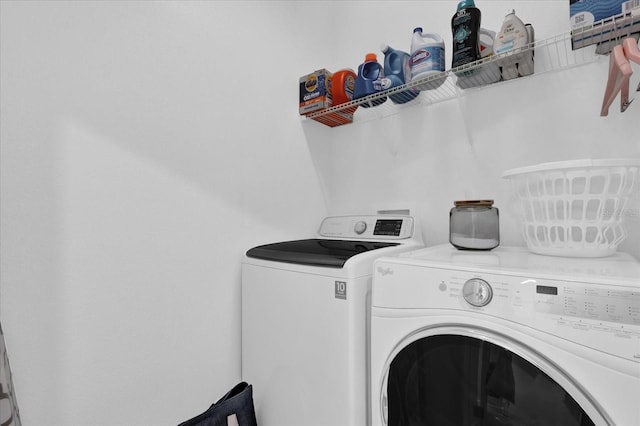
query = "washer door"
{"x": 460, "y": 376}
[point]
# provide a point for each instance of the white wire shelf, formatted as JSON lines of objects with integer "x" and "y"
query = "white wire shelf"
{"x": 552, "y": 54}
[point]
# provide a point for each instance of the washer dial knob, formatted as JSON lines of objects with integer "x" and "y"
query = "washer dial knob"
{"x": 477, "y": 292}
{"x": 360, "y": 227}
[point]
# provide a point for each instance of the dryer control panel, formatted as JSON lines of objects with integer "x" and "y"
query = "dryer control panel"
{"x": 597, "y": 316}
{"x": 589, "y": 302}
{"x": 602, "y": 317}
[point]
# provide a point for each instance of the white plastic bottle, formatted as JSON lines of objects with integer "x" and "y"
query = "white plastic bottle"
{"x": 427, "y": 59}
{"x": 485, "y": 73}
{"x": 512, "y": 37}
{"x": 526, "y": 66}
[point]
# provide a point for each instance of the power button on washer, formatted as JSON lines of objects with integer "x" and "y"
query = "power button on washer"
{"x": 360, "y": 227}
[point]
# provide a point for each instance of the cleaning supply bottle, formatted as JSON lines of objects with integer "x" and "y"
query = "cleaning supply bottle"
{"x": 512, "y": 37}
{"x": 396, "y": 69}
{"x": 526, "y": 66}
{"x": 489, "y": 72}
{"x": 427, "y": 59}
{"x": 465, "y": 26}
{"x": 485, "y": 72}
{"x": 369, "y": 81}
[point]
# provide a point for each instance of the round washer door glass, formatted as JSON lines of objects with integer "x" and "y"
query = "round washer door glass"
{"x": 452, "y": 380}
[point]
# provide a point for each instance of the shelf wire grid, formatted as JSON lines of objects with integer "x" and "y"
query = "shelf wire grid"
{"x": 552, "y": 54}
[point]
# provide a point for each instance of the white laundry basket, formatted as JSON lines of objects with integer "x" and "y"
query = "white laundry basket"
{"x": 575, "y": 208}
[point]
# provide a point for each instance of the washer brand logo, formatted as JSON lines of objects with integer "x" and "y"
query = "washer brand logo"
{"x": 341, "y": 290}
{"x": 385, "y": 271}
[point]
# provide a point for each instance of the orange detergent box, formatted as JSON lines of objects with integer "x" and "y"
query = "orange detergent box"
{"x": 316, "y": 95}
{"x": 315, "y": 91}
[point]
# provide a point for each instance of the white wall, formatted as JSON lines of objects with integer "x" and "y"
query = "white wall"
{"x": 426, "y": 157}
{"x": 145, "y": 147}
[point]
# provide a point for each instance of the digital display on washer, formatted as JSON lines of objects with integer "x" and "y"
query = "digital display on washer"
{"x": 388, "y": 227}
{"x": 545, "y": 289}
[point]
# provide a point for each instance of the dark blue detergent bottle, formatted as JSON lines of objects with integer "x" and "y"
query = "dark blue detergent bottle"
{"x": 369, "y": 81}
{"x": 465, "y": 26}
{"x": 396, "y": 69}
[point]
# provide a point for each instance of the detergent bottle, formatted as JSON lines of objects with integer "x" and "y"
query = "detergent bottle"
{"x": 396, "y": 69}
{"x": 370, "y": 81}
{"x": 427, "y": 59}
{"x": 465, "y": 26}
{"x": 485, "y": 72}
{"x": 342, "y": 86}
{"x": 513, "y": 37}
{"x": 526, "y": 66}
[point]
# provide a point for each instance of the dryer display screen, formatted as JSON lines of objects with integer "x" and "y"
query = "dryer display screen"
{"x": 545, "y": 289}
{"x": 388, "y": 227}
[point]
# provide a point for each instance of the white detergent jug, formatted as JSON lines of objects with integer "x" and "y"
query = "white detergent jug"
{"x": 527, "y": 65}
{"x": 485, "y": 73}
{"x": 513, "y": 38}
{"x": 427, "y": 60}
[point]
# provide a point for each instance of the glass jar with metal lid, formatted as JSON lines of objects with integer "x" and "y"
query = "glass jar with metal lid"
{"x": 474, "y": 225}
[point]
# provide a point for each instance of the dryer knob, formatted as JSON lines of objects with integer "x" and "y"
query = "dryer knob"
{"x": 477, "y": 292}
{"x": 360, "y": 227}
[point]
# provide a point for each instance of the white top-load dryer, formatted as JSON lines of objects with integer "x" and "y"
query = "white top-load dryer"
{"x": 505, "y": 337}
{"x": 305, "y": 320}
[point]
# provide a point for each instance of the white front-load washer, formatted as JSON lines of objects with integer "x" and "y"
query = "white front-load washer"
{"x": 305, "y": 320}
{"x": 505, "y": 337}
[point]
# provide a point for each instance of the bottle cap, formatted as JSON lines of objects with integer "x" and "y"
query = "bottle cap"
{"x": 384, "y": 48}
{"x": 466, "y": 3}
{"x": 371, "y": 57}
{"x": 417, "y": 30}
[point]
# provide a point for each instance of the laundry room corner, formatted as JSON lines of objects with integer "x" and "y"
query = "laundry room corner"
{"x": 152, "y": 152}
{"x": 145, "y": 147}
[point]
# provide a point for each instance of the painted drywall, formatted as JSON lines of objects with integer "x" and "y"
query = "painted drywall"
{"x": 425, "y": 157}
{"x": 145, "y": 146}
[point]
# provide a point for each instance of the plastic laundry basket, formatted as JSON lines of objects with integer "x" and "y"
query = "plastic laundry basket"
{"x": 575, "y": 208}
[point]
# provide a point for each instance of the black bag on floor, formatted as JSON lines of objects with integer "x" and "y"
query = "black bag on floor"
{"x": 233, "y": 409}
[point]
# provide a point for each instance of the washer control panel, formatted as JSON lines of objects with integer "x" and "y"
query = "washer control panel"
{"x": 378, "y": 227}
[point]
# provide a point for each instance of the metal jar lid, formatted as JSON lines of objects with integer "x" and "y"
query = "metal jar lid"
{"x": 473, "y": 203}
